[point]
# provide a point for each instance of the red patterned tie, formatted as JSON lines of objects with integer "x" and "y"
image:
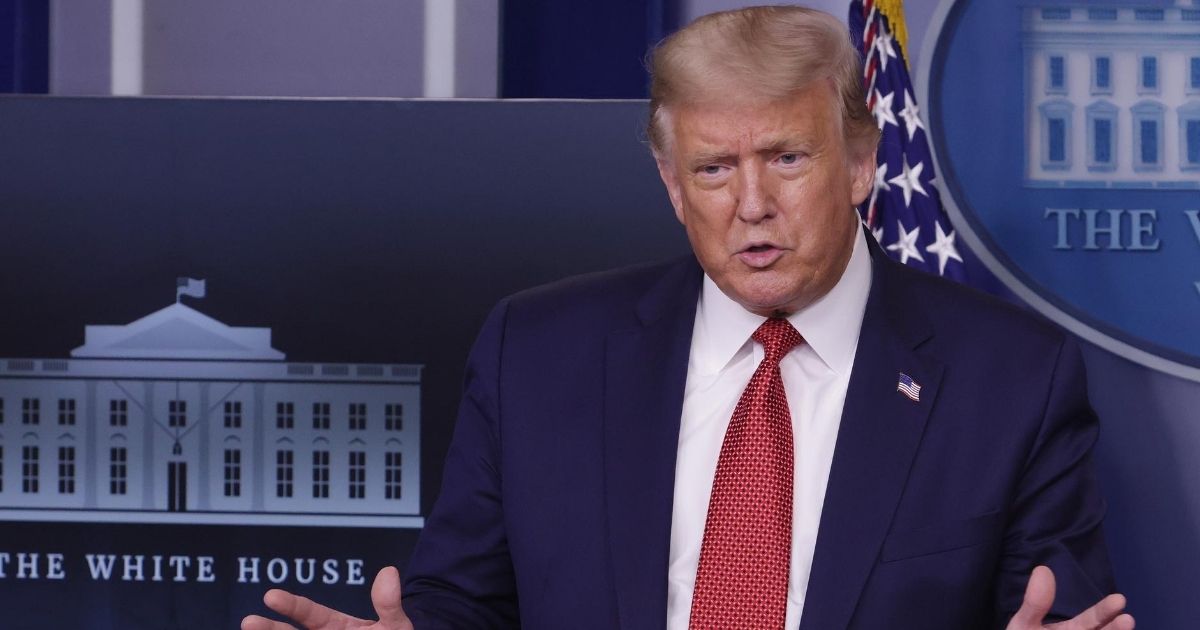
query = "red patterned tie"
{"x": 742, "y": 580}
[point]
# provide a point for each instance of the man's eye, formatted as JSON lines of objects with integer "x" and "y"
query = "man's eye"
{"x": 711, "y": 169}
{"x": 789, "y": 158}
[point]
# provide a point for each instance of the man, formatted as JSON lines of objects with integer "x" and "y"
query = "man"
{"x": 794, "y": 432}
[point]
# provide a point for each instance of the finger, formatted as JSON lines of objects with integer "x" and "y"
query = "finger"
{"x": 1039, "y": 596}
{"x": 1101, "y": 614}
{"x": 1122, "y": 622}
{"x": 305, "y": 611}
{"x": 254, "y": 622}
{"x": 385, "y": 596}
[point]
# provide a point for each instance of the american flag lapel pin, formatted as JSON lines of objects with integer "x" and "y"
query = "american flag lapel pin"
{"x": 909, "y": 387}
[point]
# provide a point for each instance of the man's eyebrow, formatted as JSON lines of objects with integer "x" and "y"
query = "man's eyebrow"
{"x": 792, "y": 143}
{"x": 707, "y": 157}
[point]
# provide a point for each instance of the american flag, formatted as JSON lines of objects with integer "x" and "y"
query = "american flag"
{"x": 904, "y": 211}
{"x": 909, "y": 387}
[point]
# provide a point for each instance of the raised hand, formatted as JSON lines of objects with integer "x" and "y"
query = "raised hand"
{"x": 1107, "y": 614}
{"x": 385, "y": 597}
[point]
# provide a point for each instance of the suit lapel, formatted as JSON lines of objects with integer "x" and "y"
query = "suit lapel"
{"x": 876, "y": 442}
{"x": 645, "y": 372}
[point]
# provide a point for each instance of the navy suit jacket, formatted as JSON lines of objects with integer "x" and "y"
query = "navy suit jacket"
{"x": 555, "y": 510}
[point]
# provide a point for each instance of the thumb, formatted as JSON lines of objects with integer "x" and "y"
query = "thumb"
{"x": 1039, "y": 596}
{"x": 385, "y": 597}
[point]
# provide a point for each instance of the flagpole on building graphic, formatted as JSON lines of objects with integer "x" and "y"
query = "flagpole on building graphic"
{"x": 188, "y": 286}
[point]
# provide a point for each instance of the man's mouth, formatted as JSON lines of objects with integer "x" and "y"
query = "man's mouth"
{"x": 760, "y": 255}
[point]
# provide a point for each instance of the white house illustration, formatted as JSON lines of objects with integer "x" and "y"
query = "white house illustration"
{"x": 179, "y": 418}
{"x": 1112, "y": 94}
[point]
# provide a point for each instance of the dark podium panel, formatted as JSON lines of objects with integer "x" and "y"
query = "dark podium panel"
{"x": 349, "y": 251}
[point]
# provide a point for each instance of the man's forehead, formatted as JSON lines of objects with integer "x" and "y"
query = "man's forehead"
{"x": 757, "y": 125}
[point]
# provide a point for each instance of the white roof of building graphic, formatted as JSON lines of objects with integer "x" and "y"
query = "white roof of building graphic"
{"x": 177, "y": 332}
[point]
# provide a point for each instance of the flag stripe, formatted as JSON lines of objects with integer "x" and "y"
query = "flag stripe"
{"x": 904, "y": 211}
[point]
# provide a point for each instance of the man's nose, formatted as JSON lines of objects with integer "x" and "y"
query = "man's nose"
{"x": 755, "y": 199}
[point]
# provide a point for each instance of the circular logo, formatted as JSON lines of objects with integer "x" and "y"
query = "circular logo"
{"x": 1068, "y": 139}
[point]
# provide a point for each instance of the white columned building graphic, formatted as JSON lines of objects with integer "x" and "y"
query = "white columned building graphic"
{"x": 180, "y": 418}
{"x": 1112, "y": 94}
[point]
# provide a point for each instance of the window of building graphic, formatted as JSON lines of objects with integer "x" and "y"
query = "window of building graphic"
{"x": 1147, "y": 140}
{"x": 66, "y": 411}
{"x": 1056, "y": 134}
{"x": 321, "y": 416}
{"x": 233, "y": 472}
{"x": 66, "y": 470}
{"x": 320, "y": 474}
{"x": 1148, "y": 75}
{"x": 358, "y": 416}
{"x": 1102, "y": 75}
{"x": 1056, "y": 74}
{"x": 177, "y": 413}
{"x": 391, "y": 475}
{"x": 1056, "y": 13}
{"x": 393, "y": 415}
{"x": 30, "y": 411}
{"x": 233, "y": 414}
{"x": 1193, "y": 82}
{"x": 1148, "y": 15}
{"x": 1, "y": 411}
{"x": 118, "y": 412}
{"x": 285, "y": 415}
{"x": 358, "y": 474}
{"x": 1, "y": 468}
{"x": 118, "y": 470}
{"x": 1057, "y": 140}
{"x": 1147, "y": 136}
{"x": 283, "y": 474}
{"x": 29, "y": 469}
{"x": 1102, "y": 136}
{"x": 1189, "y": 136}
{"x": 1102, "y": 15}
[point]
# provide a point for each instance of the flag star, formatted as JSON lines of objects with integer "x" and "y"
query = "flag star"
{"x": 883, "y": 44}
{"x": 906, "y": 244}
{"x": 881, "y": 178}
{"x": 878, "y": 234}
{"x": 883, "y": 109}
{"x": 910, "y": 180}
{"x": 879, "y": 184}
{"x": 943, "y": 248}
{"x": 911, "y": 115}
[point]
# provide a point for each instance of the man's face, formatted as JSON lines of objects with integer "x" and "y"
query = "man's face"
{"x": 765, "y": 191}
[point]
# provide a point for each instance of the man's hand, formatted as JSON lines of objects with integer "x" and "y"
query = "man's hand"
{"x": 385, "y": 597}
{"x": 1107, "y": 614}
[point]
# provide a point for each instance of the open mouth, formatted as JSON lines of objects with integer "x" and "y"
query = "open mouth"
{"x": 760, "y": 256}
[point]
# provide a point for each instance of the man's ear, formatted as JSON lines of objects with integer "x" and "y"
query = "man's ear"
{"x": 670, "y": 179}
{"x": 862, "y": 176}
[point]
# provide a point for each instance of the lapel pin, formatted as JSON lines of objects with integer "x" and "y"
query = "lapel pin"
{"x": 909, "y": 387}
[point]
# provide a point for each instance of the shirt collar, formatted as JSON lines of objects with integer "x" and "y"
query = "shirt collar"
{"x": 830, "y": 325}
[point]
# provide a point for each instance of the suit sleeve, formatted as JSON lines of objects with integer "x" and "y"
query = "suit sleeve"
{"x": 1057, "y": 508}
{"x": 460, "y": 574}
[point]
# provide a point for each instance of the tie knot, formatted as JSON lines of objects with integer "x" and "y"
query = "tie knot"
{"x": 777, "y": 337}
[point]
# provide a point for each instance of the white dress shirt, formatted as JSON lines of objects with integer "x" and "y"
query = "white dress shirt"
{"x": 815, "y": 377}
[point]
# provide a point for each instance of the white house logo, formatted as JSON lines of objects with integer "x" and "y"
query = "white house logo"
{"x": 1068, "y": 135}
{"x": 179, "y": 418}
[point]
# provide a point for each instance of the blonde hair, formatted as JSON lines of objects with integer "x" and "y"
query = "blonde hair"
{"x": 758, "y": 52}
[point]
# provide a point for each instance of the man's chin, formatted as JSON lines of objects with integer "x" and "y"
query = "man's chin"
{"x": 766, "y": 305}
